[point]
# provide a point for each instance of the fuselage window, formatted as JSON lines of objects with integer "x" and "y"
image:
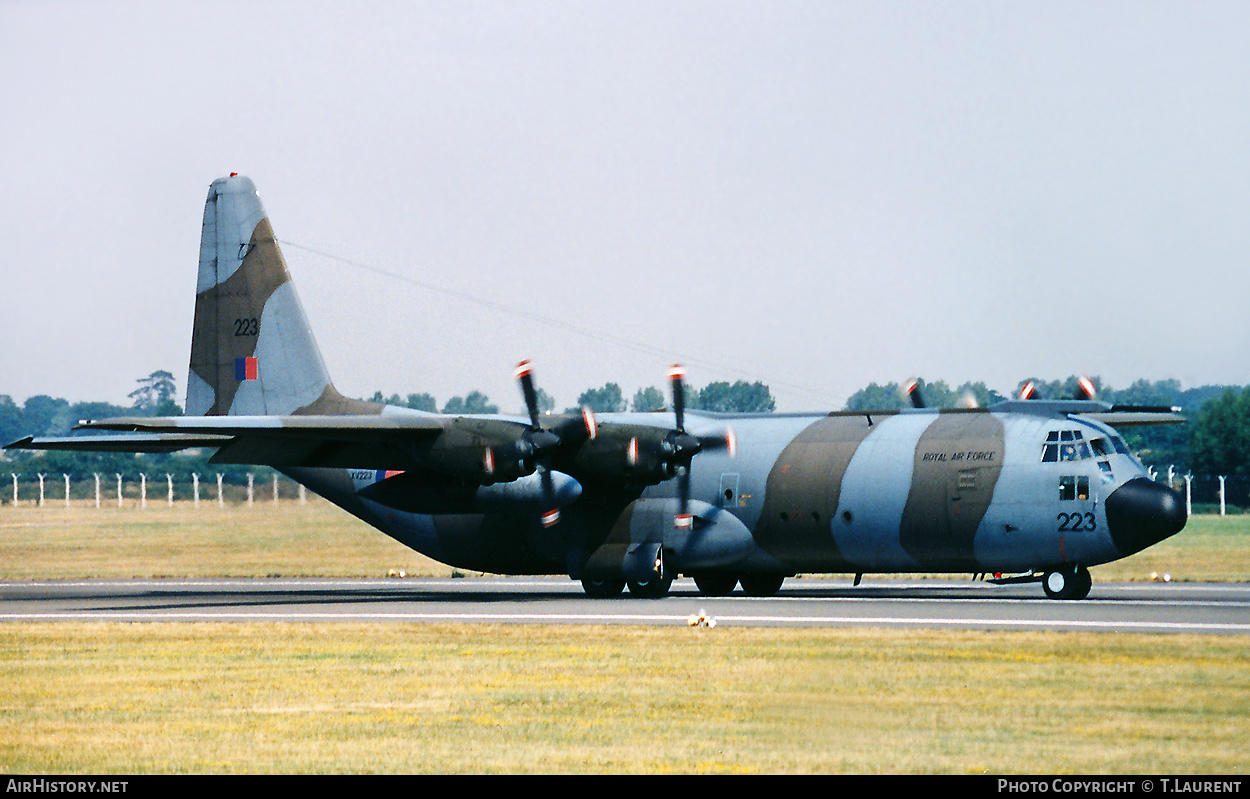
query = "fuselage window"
{"x": 1073, "y": 487}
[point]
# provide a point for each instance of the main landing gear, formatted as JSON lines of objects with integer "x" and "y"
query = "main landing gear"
{"x": 709, "y": 583}
{"x": 643, "y": 589}
{"x": 722, "y": 584}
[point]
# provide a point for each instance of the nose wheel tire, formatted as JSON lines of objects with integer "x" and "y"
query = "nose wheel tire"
{"x": 1067, "y": 583}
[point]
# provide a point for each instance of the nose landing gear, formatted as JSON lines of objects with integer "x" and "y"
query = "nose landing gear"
{"x": 1067, "y": 582}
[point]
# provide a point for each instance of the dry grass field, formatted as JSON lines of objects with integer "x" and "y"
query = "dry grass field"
{"x": 319, "y": 540}
{"x": 339, "y": 698}
{"x": 268, "y": 539}
{"x": 348, "y": 698}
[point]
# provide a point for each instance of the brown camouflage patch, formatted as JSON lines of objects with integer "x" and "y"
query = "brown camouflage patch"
{"x": 803, "y": 490}
{"x": 957, "y": 463}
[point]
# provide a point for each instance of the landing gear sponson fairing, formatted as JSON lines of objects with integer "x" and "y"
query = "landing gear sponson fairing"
{"x": 1037, "y": 490}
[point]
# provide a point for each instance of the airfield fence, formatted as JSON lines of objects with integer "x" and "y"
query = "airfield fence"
{"x": 143, "y": 490}
{"x": 1222, "y": 494}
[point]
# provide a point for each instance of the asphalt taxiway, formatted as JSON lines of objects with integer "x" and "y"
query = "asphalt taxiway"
{"x": 1202, "y": 608}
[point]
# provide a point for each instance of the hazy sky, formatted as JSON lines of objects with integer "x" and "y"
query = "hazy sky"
{"x": 816, "y": 195}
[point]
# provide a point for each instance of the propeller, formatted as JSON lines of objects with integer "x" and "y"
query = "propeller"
{"x": 538, "y": 444}
{"x": 681, "y": 447}
{"x": 1085, "y": 389}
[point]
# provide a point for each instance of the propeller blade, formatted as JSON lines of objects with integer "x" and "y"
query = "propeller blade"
{"x": 683, "y": 520}
{"x": 552, "y": 516}
{"x": 525, "y": 373}
{"x": 912, "y": 389}
{"x": 677, "y": 376}
{"x": 576, "y": 430}
{"x": 1028, "y": 391}
{"x": 727, "y": 442}
{"x": 1085, "y": 388}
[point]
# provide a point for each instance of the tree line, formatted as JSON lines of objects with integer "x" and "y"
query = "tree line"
{"x": 1215, "y": 441}
{"x": 739, "y": 397}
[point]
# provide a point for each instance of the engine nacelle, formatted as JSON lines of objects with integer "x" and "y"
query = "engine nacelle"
{"x": 414, "y": 492}
{"x": 716, "y": 539}
{"x": 635, "y": 454}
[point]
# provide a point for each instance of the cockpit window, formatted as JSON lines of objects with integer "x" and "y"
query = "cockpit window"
{"x": 1065, "y": 445}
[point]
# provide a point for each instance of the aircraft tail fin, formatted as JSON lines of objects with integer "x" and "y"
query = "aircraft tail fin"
{"x": 252, "y": 350}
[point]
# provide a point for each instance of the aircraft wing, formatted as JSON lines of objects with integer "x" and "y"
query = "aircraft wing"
{"x": 361, "y": 442}
{"x": 1113, "y": 415}
{"x": 1135, "y": 416}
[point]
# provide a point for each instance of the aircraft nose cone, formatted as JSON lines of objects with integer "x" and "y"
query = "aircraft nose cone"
{"x": 1142, "y": 512}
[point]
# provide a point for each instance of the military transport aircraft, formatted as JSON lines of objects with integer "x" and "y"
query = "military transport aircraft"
{"x": 1028, "y": 490}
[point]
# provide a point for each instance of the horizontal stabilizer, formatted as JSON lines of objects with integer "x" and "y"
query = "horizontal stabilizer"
{"x": 357, "y": 442}
{"x": 350, "y": 427}
{"x": 121, "y": 443}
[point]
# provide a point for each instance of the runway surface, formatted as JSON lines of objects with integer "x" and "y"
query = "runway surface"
{"x": 1203, "y": 608}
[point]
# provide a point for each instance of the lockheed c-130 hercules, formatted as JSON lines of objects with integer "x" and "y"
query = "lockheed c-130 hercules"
{"x": 1037, "y": 490}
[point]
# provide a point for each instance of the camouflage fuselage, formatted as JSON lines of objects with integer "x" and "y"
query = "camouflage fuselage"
{"x": 917, "y": 491}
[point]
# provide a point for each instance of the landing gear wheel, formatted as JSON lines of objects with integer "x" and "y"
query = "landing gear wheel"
{"x": 715, "y": 583}
{"x": 1083, "y": 583}
{"x": 602, "y": 589}
{"x": 1071, "y": 582}
{"x": 650, "y": 589}
{"x": 761, "y": 584}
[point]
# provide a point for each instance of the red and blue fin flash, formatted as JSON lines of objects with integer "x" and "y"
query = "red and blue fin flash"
{"x": 246, "y": 369}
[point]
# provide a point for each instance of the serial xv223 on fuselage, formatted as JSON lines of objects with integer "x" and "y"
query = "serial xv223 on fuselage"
{"x": 1037, "y": 489}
